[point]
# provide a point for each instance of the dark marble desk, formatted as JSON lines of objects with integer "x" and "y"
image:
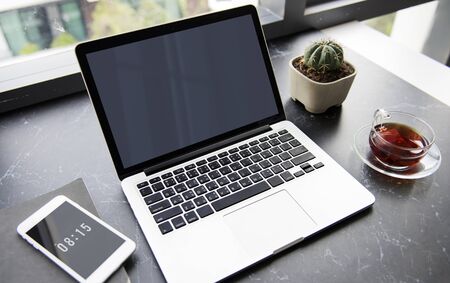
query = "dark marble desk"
{"x": 403, "y": 238}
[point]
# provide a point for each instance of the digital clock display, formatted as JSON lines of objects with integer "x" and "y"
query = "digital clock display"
{"x": 75, "y": 238}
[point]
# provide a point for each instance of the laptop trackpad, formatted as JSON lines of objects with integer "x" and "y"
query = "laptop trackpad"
{"x": 270, "y": 224}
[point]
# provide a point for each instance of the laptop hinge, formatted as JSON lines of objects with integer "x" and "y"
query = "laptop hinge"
{"x": 204, "y": 150}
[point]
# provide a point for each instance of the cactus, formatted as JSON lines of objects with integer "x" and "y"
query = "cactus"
{"x": 324, "y": 56}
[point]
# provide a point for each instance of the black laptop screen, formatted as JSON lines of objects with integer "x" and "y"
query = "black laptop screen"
{"x": 168, "y": 92}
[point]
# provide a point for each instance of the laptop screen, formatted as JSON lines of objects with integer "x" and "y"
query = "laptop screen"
{"x": 171, "y": 91}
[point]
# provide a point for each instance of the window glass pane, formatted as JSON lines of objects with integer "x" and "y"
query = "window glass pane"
{"x": 30, "y": 26}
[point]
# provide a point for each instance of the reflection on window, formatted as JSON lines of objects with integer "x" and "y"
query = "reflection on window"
{"x": 28, "y": 28}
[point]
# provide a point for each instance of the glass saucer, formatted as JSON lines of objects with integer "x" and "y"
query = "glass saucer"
{"x": 427, "y": 165}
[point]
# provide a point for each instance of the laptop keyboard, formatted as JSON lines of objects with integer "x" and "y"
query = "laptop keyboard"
{"x": 200, "y": 189}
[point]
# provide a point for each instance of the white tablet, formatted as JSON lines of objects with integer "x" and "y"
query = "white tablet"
{"x": 76, "y": 240}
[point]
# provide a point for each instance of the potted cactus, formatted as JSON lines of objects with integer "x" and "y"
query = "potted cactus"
{"x": 321, "y": 78}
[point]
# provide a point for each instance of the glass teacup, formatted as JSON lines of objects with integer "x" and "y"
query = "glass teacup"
{"x": 399, "y": 140}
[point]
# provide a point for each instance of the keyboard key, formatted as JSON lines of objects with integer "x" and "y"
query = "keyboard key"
{"x": 285, "y": 146}
{"x": 188, "y": 195}
{"x": 143, "y": 184}
{"x": 201, "y": 162}
{"x": 286, "y": 176}
{"x": 263, "y": 139}
{"x": 225, "y": 170}
{"x": 318, "y": 165}
{"x": 224, "y": 161}
{"x": 240, "y": 196}
{"x": 211, "y": 158}
{"x": 203, "y": 179}
{"x": 234, "y": 177}
{"x": 246, "y": 162}
{"x": 245, "y": 153}
{"x": 168, "y": 192}
{"x": 192, "y": 173}
{"x": 203, "y": 169}
{"x": 181, "y": 178}
{"x": 285, "y": 156}
{"x": 256, "y": 178}
{"x": 200, "y": 190}
{"x": 254, "y": 168}
{"x": 158, "y": 186}
{"x": 178, "y": 171}
{"x": 299, "y": 173}
{"x": 223, "y": 191}
{"x": 153, "y": 198}
{"x": 298, "y": 150}
{"x": 302, "y": 158}
{"x": 282, "y": 132}
{"x": 211, "y": 186}
{"x": 214, "y": 174}
{"x": 204, "y": 211}
{"x": 244, "y": 146}
{"x": 286, "y": 137}
{"x": 145, "y": 191}
{"x": 214, "y": 165}
{"x": 266, "y": 154}
{"x": 200, "y": 201}
{"x": 274, "y": 135}
{"x": 277, "y": 169}
{"x": 192, "y": 183}
{"x": 266, "y": 173}
{"x": 176, "y": 199}
{"x": 256, "y": 158}
{"x": 167, "y": 175}
{"x": 188, "y": 206}
{"x": 275, "y": 181}
{"x": 165, "y": 227}
{"x": 244, "y": 172}
{"x": 294, "y": 143}
{"x": 234, "y": 187}
{"x": 154, "y": 180}
{"x": 287, "y": 165}
{"x": 265, "y": 145}
{"x": 233, "y": 150}
{"x": 178, "y": 222}
{"x": 157, "y": 207}
{"x": 274, "y": 142}
{"x": 211, "y": 196}
{"x": 223, "y": 181}
{"x": 189, "y": 167}
{"x": 308, "y": 169}
{"x": 245, "y": 182}
{"x": 275, "y": 160}
{"x": 265, "y": 164}
{"x": 235, "y": 157}
{"x": 180, "y": 188}
{"x": 169, "y": 182}
{"x": 190, "y": 217}
{"x": 223, "y": 154}
{"x": 255, "y": 149}
{"x": 235, "y": 166}
{"x": 167, "y": 214}
{"x": 276, "y": 150}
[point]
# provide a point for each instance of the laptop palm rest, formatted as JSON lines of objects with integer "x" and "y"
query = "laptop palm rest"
{"x": 269, "y": 225}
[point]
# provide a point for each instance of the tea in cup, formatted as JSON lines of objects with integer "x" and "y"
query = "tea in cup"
{"x": 399, "y": 140}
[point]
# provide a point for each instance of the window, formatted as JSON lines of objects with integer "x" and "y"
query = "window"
{"x": 37, "y": 36}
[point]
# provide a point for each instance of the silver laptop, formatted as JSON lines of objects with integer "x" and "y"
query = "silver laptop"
{"x": 216, "y": 177}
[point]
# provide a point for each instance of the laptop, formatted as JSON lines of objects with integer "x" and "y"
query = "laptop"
{"x": 216, "y": 176}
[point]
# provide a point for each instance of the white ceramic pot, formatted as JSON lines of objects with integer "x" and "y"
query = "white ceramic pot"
{"x": 318, "y": 97}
